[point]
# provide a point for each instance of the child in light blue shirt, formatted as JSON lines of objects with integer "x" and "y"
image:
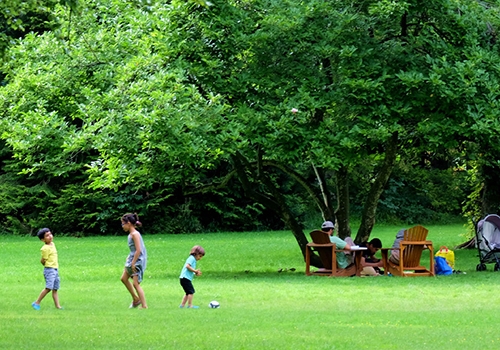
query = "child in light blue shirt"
{"x": 187, "y": 274}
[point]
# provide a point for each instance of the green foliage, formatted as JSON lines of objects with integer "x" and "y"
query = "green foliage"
{"x": 139, "y": 104}
{"x": 20, "y": 17}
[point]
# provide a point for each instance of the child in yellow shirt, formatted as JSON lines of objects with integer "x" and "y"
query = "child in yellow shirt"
{"x": 50, "y": 271}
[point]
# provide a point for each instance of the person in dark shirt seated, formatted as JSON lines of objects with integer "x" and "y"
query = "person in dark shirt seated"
{"x": 371, "y": 265}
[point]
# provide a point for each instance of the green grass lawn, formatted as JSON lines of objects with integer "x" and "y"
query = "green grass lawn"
{"x": 260, "y": 308}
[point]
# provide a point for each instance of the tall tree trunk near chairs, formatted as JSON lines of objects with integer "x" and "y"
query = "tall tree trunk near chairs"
{"x": 491, "y": 190}
{"x": 325, "y": 199}
{"x": 376, "y": 189}
{"x": 343, "y": 206}
{"x": 248, "y": 175}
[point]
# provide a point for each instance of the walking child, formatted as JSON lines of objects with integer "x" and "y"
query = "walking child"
{"x": 187, "y": 275}
{"x": 50, "y": 271}
{"x": 135, "y": 265}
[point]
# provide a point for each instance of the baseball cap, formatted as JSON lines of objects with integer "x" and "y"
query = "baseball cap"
{"x": 328, "y": 225}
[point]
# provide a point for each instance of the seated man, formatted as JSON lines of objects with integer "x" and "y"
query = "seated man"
{"x": 371, "y": 265}
{"x": 343, "y": 260}
{"x": 394, "y": 258}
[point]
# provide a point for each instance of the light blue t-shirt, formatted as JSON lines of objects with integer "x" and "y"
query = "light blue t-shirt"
{"x": 342, "y": 260}
{"x": 185, "y": 273}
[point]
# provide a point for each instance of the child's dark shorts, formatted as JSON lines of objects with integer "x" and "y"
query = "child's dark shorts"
{"x": 187, "y": 285}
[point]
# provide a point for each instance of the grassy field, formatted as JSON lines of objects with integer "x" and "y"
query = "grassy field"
{"x": 260, "y": 307}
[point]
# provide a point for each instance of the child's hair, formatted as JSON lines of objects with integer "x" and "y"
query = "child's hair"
{"x": 132, "y": 218}
{"x": 377, "y": 243}
{"x": 197, "y": 250}
{"x": 42, "y": 232}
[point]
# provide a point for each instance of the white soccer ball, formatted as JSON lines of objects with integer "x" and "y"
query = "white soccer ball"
{"x": 214, "y": 304}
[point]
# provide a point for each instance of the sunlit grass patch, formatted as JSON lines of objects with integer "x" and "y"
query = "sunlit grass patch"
{"x": 261, "y": 308}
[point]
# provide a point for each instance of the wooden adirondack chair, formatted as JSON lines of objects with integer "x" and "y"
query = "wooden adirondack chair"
{"x": 326, "y": 251}
{"x": 410, "y": 253}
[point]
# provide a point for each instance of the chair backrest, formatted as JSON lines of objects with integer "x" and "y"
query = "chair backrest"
{"x": 325, "y": 253}
{"x": 413, "y": 253}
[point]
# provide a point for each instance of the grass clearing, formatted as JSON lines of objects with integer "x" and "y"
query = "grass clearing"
{"x": 260, "y": 308}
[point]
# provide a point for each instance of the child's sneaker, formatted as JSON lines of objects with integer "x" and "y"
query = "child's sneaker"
{"x": 193, "y": 307}
{"x": 35, "y": 305}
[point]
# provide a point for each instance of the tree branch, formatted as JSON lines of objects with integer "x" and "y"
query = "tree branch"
{"x": 212, "y": 186}
{"x": 303, "y": 182}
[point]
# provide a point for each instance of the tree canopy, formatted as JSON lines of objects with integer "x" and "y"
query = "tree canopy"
{"x": 141, "y": 104}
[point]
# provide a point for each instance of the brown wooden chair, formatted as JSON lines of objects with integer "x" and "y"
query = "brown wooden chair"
{"x": 326, "y": 251}
{"x": 410, "y": 252}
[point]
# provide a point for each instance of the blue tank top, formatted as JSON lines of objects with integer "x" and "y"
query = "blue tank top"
{"x": 143, "y": 257}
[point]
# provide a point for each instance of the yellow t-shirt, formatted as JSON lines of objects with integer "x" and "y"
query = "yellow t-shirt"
{"x": 49, "y": 253}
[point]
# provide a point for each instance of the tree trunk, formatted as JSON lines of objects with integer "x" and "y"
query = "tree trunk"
{"x": 326, "y": 208}
{"x": 342, "y": 213}
{"x": 376, "y": 189}
{"x": 491, "y": 190}
{"x": 470, "y": 244}
{"x": 274, "y": 200}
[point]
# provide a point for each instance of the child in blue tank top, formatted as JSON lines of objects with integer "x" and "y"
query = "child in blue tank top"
{"x": 135, "y": 265}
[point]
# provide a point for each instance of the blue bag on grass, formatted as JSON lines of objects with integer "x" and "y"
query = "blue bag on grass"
{"x": 441, "y": 267}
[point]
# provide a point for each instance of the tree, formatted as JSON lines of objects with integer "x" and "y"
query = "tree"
{"x": 20, "y": 17}
{"x": 199, "y": 97}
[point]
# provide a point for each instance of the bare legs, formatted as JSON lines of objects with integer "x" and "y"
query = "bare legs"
{"x": 129, "y": 286}
{"x": 55, "y": 296}
{"x": 135, "y": 289}
{"x": 188, "y": 298}
{"x": 140, "y": 293}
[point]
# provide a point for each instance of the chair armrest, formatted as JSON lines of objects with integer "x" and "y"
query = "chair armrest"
{"x": 415, "y": 243}
{"x": 320, "y": 244}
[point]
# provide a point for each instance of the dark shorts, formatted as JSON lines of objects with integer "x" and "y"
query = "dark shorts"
{"x": 187, "y": 285}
